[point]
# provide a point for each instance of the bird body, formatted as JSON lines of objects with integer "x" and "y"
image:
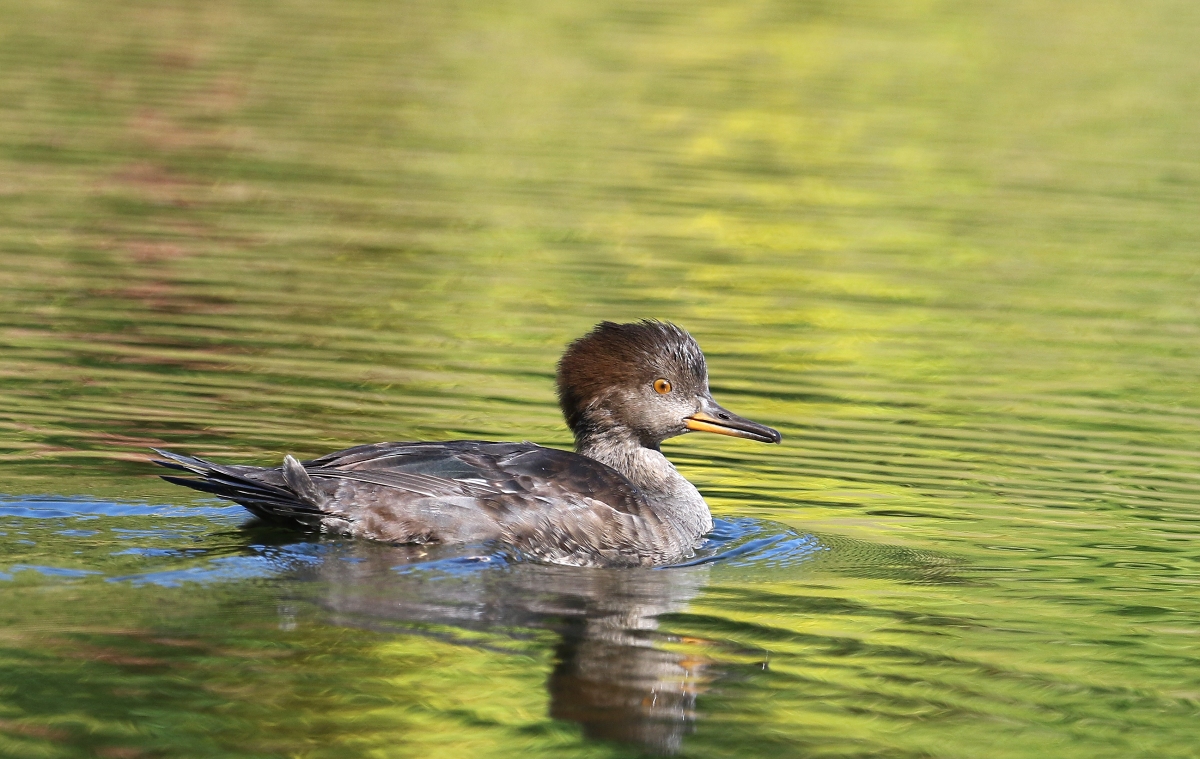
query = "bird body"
{"x": 616, "y": 501}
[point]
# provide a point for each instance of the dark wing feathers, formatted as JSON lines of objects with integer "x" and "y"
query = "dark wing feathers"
{"x": 469, "y": 467}
{"x": 418, "y": 484}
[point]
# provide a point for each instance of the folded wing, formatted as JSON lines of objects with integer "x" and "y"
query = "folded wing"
{"x": 545, "y": 503}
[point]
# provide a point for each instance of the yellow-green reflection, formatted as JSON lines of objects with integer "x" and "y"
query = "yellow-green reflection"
{"x": 947, "y": 249}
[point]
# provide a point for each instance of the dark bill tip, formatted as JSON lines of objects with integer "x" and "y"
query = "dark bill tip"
{"x": 713, "y": 418}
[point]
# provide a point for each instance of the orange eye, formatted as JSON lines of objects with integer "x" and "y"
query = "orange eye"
{"x": 662, "y": 386}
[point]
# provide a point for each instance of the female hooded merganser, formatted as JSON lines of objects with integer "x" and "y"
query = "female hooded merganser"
{"x": 624, "y": 389}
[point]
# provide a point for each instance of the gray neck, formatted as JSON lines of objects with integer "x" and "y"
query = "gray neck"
{"x": 674, "y": 499}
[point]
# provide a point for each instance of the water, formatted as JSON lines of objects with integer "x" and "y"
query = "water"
{"x": 948, "y": 250}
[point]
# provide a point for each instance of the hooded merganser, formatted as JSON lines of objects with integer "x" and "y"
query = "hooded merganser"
{"x": 623, "y": 388}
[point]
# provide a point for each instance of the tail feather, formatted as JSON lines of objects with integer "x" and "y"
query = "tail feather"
{"x": 293, "y": 499}
{"x": 300, "y": 483}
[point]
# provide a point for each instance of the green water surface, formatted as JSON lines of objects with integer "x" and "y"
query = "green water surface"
{"x": 951, "y": 250}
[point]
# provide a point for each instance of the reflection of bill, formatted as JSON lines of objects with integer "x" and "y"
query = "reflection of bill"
{"x": 611, "y": 675}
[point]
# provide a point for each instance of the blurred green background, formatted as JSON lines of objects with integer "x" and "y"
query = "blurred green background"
{"x": 950, "y": 250}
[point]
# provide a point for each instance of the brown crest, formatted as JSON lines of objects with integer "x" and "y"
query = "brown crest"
{"x": 626, "y": 355}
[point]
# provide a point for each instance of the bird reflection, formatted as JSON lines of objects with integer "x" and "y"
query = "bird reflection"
{"x": 611, "y": 674}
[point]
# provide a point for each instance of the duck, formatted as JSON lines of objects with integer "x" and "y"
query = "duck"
{"x": 616, "y": 500}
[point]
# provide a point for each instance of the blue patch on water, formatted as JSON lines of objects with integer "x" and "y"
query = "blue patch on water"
{"x": 749, "y": 542}
{"x": 309, "y": 553}
{"x": 271, "y": 561}
{"x": 65, "y": 508}
{"x": 79, "y": 533}
{"x": 217, "y": 570}
{"x": 47, "y": 571}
